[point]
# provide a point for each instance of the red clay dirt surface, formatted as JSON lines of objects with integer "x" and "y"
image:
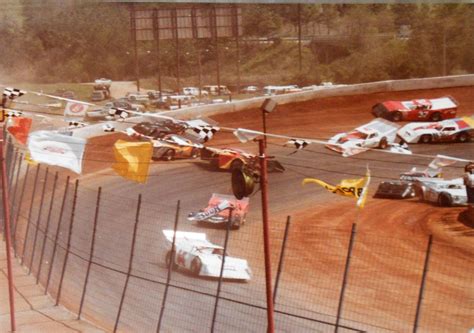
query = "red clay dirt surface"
{"x": 391, "y": 237}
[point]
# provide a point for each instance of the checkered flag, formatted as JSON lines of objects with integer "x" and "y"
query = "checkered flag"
{"x": 119, "y": 112}
{"x": 13, "y": 93}
{"x": 13, "y": 113}
{"x": 298, "y": 143}
{"x": 108, "y": 128}
{"x": 205, "y": 132}
{"x": 76, "y": 124}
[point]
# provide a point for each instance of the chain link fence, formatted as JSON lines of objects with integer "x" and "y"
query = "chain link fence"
{"x": 103, "y": 258}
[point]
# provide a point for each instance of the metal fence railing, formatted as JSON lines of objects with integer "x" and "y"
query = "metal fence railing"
{"x": 108, "y": 265}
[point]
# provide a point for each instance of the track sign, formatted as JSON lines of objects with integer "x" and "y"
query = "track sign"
{"x": 243, "y": 183}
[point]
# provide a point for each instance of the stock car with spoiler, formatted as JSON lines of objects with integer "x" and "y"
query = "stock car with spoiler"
{"x": 451, "y": 130}
{"x": 436, "y": 109}
{"x": 218, "y": 211}
{"x": 444, "y": 193}
{"x": 233, "y": 158}
{"x": 195, "y": 253}
{"x": 173, "y": 146}
{"x": 379, "y": 133}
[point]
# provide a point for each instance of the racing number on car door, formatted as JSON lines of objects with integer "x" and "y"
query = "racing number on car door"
{"x": 422, "y": 114}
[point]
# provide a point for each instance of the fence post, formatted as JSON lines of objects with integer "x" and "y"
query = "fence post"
{"x": 29, "y": 213}
{"x": 68, "y": 246}
{"x": 10, "y": 176}
{"x": 46, "y": 231}
{"x": 170, "y": 267}
{"x": 17, "y": 215}
{"x": 91, "y": 252}
{"x": 130, "y": 263}
{"x": 38, "y": 221}
{"x": 53, "y": 255}
{"x": 16, "y": 183}
{"x": 282, "y": 256}
{"x": 221, "y": 274}
{"x": 422, "y": 286}
{"x": 344, "y": 279}
{"x": 12, "y": 171}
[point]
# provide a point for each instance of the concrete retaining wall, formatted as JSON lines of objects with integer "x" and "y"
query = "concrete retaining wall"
{"x": 346, "y": 90}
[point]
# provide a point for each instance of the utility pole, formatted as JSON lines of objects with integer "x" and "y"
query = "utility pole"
{"x": 300, "y": 55}
{"x": 266, "y": 235}
{"x": 133, "y": 25}
{"x": 444, "y": 51}
{"x": 6, "y": 222}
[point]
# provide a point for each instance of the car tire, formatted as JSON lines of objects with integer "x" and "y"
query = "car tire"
{"x": 397, "y": 116}
{"x": 196, "y": 265}
{"x": 236, "y": 165}
{"x": 168, "y": 259}
{"x": 194, "y": 153}
{"x": 383, "y": 143}
{"x": 445, "y": 199}
{"x": 169, "y": 155}
{"x": 425, "y": 138}
{"x": 435, "y": 116}
{"x": 463, "y": 137}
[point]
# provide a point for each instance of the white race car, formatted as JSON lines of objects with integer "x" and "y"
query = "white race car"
{"x": 445, "y": 193}
{"x": 451, "y": 130}
{"x": 379, "y": 133}
{"x": 196, "y": 254}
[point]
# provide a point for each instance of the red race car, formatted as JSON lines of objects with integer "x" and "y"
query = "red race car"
{"x": 417, "y": 110}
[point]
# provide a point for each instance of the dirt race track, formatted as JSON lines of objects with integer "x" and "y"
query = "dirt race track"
{"x": 389, "y": 250}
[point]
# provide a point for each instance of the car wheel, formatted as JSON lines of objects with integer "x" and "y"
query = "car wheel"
{"x": 383, "y": 143}
{"x": 436, "y": 116}
{"x": 426, "y": 138}
{"x": 445, "y": 199}
{"x": 169, "y": 155}
{"x": 194, "y": 153}
{"x": 168, "y": 259}
{"x": 463, "y": 137}
{"x": 196, "y": 266}
{"x": 236, "y": 165}
{"x": 397, "y": 116}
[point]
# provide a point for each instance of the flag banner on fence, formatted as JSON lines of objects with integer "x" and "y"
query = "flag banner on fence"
{"x": 19, "y": 128}
{"x": 439, "y": 162}
{"x": 75, "y": 110}
{"x": 133, "y": 159}
{"x": 297, "y": 143}
{"x": 363, "y": 197}
{"x": 347, "y": 187}
{"x": 57, "y": 149}
{"x": 29, "y": 160}
{"x": 12, "y": 93}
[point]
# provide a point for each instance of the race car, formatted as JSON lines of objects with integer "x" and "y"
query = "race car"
{"x": 218, "y": 211}
{"x": 395, "y": 190}
{"x": 445, "y": 193}
{"x": 451, "y": 130}
{"x": 417, "y": 110}
{"x": 379, "y": 133}
{"x": 159, "y": 129}
{"x": 173, "y": 146}
{"x": 194, "y": 252}
{"x": 233, "y": 158}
